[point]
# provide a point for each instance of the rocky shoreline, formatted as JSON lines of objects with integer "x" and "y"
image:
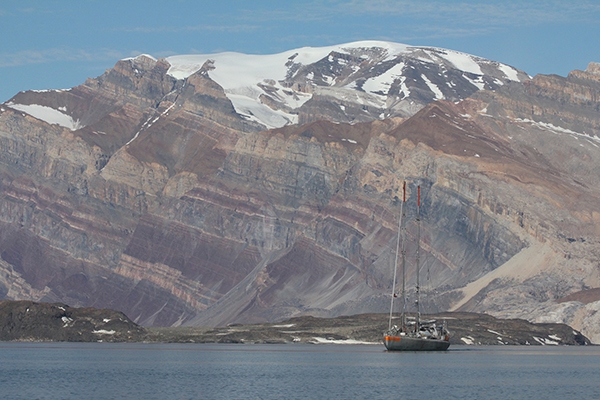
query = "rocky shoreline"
{"x": 30, "y": 321}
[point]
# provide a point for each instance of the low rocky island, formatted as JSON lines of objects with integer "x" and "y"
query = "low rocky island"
{"x": 29, "y": 321}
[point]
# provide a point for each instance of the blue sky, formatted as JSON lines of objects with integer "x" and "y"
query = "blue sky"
{"x": 59, "y": 44}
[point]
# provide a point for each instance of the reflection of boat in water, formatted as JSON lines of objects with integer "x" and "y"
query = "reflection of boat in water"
{"x": 413, "y": 334}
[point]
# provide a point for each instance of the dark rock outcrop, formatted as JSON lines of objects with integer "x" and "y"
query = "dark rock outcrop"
{"x": 29, "y": 321}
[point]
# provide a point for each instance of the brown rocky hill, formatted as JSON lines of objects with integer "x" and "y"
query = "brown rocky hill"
{"x": 161, "y": 201}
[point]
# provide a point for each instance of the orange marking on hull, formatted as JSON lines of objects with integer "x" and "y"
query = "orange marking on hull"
{"x": 392, "y": 338}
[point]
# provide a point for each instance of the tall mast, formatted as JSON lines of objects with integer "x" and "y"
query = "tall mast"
{"x": 396, "y": 261}
{"x": 418, "y": 251}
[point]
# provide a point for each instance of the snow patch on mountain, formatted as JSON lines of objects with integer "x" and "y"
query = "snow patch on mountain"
{"x": 141, "y": 55}
{"x": 240, "y": 76}
{"x": 558, "y": 130}
{"x": 461, "y": 61}
{"x": 478, "y": 83}
{"x": 381, "y": 84}
{"x": 509, "y": 72}
{"x": 436, "y": 91}
{"x": 48, "y": 114}
{"x": 258, "y": 112}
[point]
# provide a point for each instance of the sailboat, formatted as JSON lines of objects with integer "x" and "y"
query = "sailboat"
{"x": 414, "y": 333}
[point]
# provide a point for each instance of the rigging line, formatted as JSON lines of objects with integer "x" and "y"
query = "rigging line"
{"x": 426, "y": 262}
{"x": 396, "y": 264}
{"x": 430, "y": 253}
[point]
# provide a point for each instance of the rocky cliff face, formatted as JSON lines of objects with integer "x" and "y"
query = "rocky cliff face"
{"x": 159, "y": 197}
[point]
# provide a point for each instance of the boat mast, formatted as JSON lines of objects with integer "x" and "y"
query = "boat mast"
{"x": 396, "y": 262}
{"x": 417, "y": 255}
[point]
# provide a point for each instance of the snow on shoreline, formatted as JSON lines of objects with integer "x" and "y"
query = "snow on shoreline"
{"x": 104, "y": 332}
{"x": 321, "y": 340}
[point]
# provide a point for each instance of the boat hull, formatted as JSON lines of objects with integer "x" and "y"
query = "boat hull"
{"x": 407, "y": 343}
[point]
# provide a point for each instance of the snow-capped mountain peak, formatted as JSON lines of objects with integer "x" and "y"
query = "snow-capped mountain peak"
{"x": 352, "y": 82}
{"x": 383, "y": 78}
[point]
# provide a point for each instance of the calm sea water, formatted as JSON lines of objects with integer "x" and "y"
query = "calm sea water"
{"x": 298, "y": 371}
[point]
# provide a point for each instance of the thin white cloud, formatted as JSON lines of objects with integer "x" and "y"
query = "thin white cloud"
{"x": 28, "y": 57}
{"x": 510, "y": 12}
{"x": 192, "y": 28}
{"x": 304, "y": 13}
{"x": 35, "y": 10}
{"x": 415, "y": 20}
{"x": 475, "y": 12}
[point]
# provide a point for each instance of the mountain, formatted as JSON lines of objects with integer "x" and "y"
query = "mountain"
{"x": 354, "y": 82}
{"x": 207, "y": 190}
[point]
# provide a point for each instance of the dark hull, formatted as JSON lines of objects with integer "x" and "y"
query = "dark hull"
{"x": 407, "y": 343}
